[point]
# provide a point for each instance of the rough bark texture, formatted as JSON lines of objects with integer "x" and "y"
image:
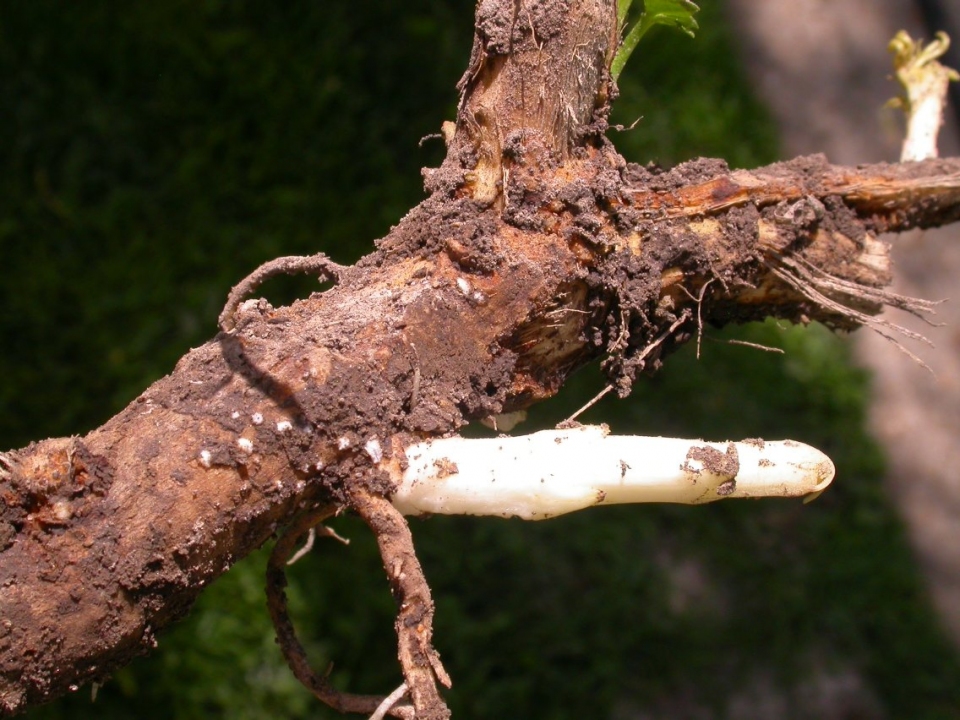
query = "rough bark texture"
{"x": 538, "y": 249}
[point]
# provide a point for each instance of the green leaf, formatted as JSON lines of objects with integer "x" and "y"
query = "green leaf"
{"x": 675, "y": 13}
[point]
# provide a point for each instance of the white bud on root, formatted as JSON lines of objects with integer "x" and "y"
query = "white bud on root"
{"x": 553, "y": 472}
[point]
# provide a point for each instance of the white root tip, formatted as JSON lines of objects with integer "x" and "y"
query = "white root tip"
{"x": 553, "y": 472}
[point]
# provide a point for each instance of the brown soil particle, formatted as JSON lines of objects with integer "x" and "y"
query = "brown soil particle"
{"x": 722, "y": 464}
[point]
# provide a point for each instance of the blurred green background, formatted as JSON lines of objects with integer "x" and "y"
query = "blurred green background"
{"x": 154, "y": 153}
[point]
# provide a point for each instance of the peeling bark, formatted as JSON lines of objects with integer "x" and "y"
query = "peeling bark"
{"x": 538, "y": 250}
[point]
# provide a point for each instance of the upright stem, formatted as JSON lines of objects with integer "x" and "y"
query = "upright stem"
{"x": 535, "y": 74}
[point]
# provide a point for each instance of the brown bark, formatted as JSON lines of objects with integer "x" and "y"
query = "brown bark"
{"x": 538, "y": 249}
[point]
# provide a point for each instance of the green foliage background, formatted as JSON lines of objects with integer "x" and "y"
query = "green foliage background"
{"x": 154, "y": 153}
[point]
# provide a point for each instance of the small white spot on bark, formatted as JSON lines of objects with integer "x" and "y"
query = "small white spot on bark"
{"x": 234, "y": 415}
{"x": 464, "y": 285}
{"x": 256, "y": 418}
{"x": 343, "y": 443}
{"x": 206, "y": 459}
{"x": 284, "y": 425}
{"x": 374, "y": 450}
{"x": 62, "y": 511}
{"x": 245, "y": 445}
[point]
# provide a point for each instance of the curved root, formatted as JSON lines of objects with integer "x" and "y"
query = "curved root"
{"x": 293, "y": 651}
{"x": 418, "y": 659}
{"x": 319, "y": 263}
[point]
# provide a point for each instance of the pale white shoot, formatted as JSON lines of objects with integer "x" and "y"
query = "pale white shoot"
{"x": 925, "y": 82}
{"x": 553, "y": 472}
